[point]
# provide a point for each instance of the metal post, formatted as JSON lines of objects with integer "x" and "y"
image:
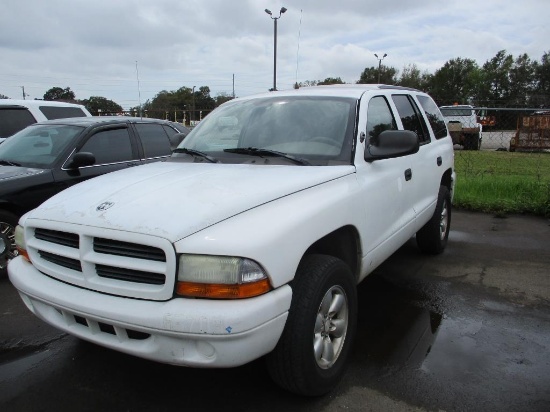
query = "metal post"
{"x": 275, "y": 54}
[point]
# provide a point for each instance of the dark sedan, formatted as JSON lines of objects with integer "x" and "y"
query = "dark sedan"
{"x": 47, "y": 157}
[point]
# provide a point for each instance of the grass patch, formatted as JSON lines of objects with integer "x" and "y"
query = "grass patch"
{"x": 503, "y": 182}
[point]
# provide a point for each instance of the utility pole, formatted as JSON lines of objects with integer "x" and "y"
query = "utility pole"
{"x": 24, "y": 94}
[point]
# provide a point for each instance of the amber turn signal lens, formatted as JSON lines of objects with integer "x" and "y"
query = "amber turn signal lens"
{"x": 23, "y": 253}
{"x": 220, "y": 291}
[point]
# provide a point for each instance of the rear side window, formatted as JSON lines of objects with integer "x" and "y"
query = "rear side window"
{"x": 13, "y": 120}
{"x": 411, "y": 117}
{"x": 53, "y": 112}
{"x": 436, "y": 119}
{"x": 154, "y": 140}
{"x": 110, "y": 146}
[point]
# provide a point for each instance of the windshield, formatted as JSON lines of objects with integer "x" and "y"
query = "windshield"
{"x": 38, "y": 145}
{"x": 447, "y": 112}
{"x": 288, "y": 130}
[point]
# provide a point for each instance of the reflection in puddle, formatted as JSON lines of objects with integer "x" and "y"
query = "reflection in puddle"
{"x": 396, "y": 330}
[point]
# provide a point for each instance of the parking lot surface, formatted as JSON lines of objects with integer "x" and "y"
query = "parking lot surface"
{"x": 465, "y": 330}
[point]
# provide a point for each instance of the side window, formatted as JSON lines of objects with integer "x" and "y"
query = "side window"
{"x": 436, "y": 119}
{"x": 379, "y": 118}
{"x": 54, "y": 112}
{"x": 410, "y": 116}
{"x": 154, "y": 140}
{"x": 14, "y": 120}
{"x": 110, "y": 146}
{"x": 174, "y": 141}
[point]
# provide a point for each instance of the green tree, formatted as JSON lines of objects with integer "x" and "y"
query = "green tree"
{"x": 495, "y": 87}
{"x": 522, "y": 80}
{"x": 221, "y": 98}
{"x": 96, "y": 103}
{"x": 455, "y": 82}
{"x": 388, "y": 75}
{"x": 541, "y": 93}
{"x": 412, "y": 77}
{"x": 57, "y": 93}
{"x": 331, "y": 80}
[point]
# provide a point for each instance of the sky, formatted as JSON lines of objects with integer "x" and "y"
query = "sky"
{"x": 130, "y": 50}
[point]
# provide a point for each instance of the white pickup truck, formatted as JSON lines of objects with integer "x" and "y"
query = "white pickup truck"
{"x": 250, "y": 240}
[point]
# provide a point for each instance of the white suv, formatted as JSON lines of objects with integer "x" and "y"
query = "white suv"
{"x": 15, "y": 115}
{"x": 251, "y": 239}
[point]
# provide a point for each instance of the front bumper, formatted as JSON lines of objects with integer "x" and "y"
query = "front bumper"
{"x": 187, "y": 332}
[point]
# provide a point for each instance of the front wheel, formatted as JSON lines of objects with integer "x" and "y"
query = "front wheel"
{"x": 8, "y": 250}
{"x": 433, "y": 236}
{"x": 310, "y": 357}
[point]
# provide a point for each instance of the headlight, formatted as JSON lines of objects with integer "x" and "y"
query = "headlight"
{"x": 20, "y": 242}
{"x": 220, "y": 277}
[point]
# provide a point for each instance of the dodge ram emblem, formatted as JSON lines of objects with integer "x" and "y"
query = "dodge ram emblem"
{"x": 104, "y": 206}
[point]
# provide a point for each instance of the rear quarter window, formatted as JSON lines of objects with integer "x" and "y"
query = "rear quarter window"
{"x": 435, "y": 118}
{"x": 14, "y": 120}
{"x": 52, "y": 112}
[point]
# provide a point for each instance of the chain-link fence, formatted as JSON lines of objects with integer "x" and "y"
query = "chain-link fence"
{"x": 511, "y": 169}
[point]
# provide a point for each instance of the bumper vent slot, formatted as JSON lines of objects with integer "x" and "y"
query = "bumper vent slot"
{"x": 57, "y": 237}
{"x": 130, "y": 275}
{"x": 127, "y": 249}
{"x": 61, "y": 260}
{"x": 110, "y": 329}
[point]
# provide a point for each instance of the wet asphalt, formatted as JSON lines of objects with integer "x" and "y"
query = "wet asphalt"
{"x": 466, "y": 330}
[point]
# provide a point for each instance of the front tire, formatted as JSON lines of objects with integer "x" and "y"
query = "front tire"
{"x": 433, "y": 236}
{"x": 8, "y": 250}
{"x": 311, "y": 355}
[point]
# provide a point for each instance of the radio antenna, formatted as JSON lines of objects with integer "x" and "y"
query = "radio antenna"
{"x": 298, "y": 50}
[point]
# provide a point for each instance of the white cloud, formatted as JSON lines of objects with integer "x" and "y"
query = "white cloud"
{"x": 92, "y": 47}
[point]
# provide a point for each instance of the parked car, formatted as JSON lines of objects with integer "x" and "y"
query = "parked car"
{"x": 47, "y": 157}
{"x": 15, "y": 115}
{"x": 248, "y": 242}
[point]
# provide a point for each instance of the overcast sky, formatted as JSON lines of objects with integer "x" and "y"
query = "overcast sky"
{"x": 92, "y": 46}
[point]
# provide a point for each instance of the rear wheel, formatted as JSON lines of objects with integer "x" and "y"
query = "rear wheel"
{"x": 433, "y": 236}
{"x": 8, "y": 250}
{"x": 311, "y": 355}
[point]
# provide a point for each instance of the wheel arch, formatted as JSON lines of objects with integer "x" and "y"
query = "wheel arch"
{"x": 343, "y": 243}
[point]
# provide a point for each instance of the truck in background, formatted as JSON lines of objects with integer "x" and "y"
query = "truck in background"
{"x": 463, "y": 125}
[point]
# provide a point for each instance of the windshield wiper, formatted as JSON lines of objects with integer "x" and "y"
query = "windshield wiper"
{"x": 254, "y": 151}
{"x": 8, "y": 163}
{"x": 194, "y": 152}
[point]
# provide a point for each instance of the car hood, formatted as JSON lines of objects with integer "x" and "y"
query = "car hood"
{"x": 174, "y": 200}
{"x": 12, "y": 172}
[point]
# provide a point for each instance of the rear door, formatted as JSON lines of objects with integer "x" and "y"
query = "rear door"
{"x": 154, "y": 142}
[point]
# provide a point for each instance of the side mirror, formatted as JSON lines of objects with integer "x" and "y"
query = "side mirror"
{"x": 176, "y": 139}
{"x": 81, "y": 159}
{"x": 392, "y": 143}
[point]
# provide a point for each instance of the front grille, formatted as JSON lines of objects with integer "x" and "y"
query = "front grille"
{"x": 115, "y": 247}
{"x": 57, "y": 237}
{"x": 130, "y": 275}
{"x": 61, "y": 260}
{"x": 107, "y": 261}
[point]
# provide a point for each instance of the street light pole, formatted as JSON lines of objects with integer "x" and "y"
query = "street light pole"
{"x": 192, "y": 117}
{"x": 283, "y": 9}
{"x": 380, "y": 65}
